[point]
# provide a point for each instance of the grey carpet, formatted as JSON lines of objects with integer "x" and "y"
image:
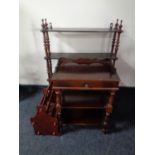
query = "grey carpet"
{"x": 75, "y": 140}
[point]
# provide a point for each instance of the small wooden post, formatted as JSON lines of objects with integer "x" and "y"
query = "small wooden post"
{"x": 117, "y": 41}
{"x": 58, "y": 109}
{"x": 114, "y": 37}
{"x": 47, "y": 48}
{"x": 108, "y": 111}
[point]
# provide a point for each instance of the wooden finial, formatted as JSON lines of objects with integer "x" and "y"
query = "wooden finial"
{"x": 43, "y": 25}
{"x": 45, "y": 21}
{"x": 42, "y": 21}
{"x": 117, "y": 21}
{"x": 116, "y": 25}
{"x": 46, "y": 24}
{"x": 121, "y": 22}
{"x": 50, "y": 25}
{"x": 120, "y": 26}
{"x": 111, "y": 26}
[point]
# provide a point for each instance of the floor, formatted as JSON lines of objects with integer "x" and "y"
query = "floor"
{"x": 79, "y": 140}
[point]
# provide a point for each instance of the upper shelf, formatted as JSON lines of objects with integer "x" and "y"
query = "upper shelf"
{"x": 100, "y": 30}
{"x": 83, "y": 55}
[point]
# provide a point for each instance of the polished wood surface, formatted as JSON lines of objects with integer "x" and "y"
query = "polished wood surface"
{"x": 85, "y": 81}
{"x": 74, "y": 78}
{"x": 96, "y": 76}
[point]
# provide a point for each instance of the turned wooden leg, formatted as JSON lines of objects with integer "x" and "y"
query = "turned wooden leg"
{"x": 58, "y": 108}
{"x": 108, "y": 111}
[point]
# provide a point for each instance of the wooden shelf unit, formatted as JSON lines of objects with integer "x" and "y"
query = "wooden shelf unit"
{"x": 82, "y": 73}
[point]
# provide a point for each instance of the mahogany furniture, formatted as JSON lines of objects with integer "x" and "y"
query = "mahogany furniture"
{"x": 82, "y": 89}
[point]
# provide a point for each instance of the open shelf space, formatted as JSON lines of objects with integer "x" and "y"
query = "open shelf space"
{"x": 84, "y": 121}
{"x": 82, "y": 117}
{"x": 84, "y": 99}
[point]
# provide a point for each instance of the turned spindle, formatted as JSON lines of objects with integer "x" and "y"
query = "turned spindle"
{"x": 117, "y": 41}
{"x": 47, "y": 47}
{"x": 108, "y": 111}
{"x": 114, "y": 36}
{"x": 111, "y": 26}
{"x": 50, "y": 26}
{"x": 58, "y": 108}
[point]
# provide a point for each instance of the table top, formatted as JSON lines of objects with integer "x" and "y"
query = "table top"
{"x": 93, "y": 76}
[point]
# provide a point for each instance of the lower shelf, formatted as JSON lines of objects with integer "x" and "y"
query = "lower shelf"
{"x": 83, "y": 106}
{"x": 84, "y": 122}
{"x": 84, "y": 99}
{"x": 82, "y": 116}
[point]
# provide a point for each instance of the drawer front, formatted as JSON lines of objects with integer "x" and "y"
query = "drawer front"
{"x": 86, "y": 84}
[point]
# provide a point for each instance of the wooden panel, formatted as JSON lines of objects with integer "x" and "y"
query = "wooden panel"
{"x": 93, "y": 76}
{"x": 84, "y": 84}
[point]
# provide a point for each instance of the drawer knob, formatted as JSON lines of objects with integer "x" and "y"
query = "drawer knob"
{"x": 86, "y": 85}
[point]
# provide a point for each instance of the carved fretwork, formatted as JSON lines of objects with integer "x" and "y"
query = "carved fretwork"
{"x": 86, "y": 61}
